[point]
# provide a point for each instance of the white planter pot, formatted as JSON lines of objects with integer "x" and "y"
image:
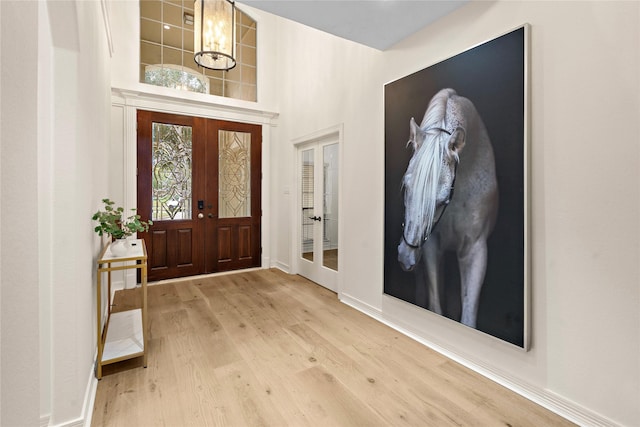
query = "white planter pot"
{"x": 120, "y": 247}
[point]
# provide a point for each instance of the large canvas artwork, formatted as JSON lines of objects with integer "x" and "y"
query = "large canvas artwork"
{"x": 456, "y": 188}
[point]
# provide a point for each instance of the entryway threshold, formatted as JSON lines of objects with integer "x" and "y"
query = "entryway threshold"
{"x": 203, "y": 276}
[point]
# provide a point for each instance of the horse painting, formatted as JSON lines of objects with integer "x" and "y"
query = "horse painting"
{"x": 451, "y": 151}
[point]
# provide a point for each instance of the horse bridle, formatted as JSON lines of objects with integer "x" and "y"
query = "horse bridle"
{"x": 444, "y": 204}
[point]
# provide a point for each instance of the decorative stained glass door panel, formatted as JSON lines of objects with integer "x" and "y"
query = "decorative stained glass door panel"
{"x": 170, "y": 156}
{"x": 233, "y": 239}
{"x": 199, "y": 181}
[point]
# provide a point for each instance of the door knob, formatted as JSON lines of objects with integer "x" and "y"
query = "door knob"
{"x": 200, "y": 215}
{"x": 210, "y": 215}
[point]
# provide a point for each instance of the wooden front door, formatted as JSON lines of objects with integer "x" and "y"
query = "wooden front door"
{"x": 199, "y": 181}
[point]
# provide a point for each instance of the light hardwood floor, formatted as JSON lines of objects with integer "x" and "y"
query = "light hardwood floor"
{"x": 271, "y": 349}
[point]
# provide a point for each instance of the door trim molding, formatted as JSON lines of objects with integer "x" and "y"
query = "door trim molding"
{"x": 190, "y": 104}
{"x": 124, "y": 150}
{"x": 337, "y": 132}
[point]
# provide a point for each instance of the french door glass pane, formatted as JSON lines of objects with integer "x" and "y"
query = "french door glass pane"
{"x": 307, "y": 187}
{"x": 330, "y": 208}
{"x": 234, "y": 194}
{"x": 171, "y": 172}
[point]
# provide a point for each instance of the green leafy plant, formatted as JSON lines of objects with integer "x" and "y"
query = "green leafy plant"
{"x": 111, "y": 221}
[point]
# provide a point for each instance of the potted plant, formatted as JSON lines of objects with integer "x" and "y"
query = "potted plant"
{"x": 111, "y": 222}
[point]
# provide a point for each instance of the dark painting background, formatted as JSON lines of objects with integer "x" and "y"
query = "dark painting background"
{"x": 492, "y": 77}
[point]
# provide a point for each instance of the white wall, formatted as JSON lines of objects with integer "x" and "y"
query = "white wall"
{"x": 19, "y": 335}
{"x": 585, "y": 194}
{"x": 74, "y": 179}
{"x": 328, "y": 81}
{"x": 45, "y": 203}
{"x": 1, "y": 187}
{"x": 80, "y": 115}
{"x": 55, "y": 116}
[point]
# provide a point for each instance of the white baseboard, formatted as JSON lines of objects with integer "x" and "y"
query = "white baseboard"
{"x": 90, "y": 396}
{"x": 545, "y": 398}
{"x": 84, "y": 420}
{"x": 282, "y": 266}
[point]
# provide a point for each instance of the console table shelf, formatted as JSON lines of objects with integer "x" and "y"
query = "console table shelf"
{"x": 124, "y": 334}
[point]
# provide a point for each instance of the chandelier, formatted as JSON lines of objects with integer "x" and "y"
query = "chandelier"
{"x": 215, "y": 34}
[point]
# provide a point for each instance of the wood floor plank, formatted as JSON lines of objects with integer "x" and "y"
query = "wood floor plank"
{"x": 262, "y": 341}
{"x": 267, "y": 348}
{"x": 329, "y": 403}
{"x": 249, "y": 397}
{"x": 428, "y": 394}
{"x": 370, "y": 383}
{"x": 197, "y": 389}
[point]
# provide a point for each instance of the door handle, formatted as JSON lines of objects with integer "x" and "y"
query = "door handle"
{"x": 200, "y": 215}
{"x": 316, "y": 218}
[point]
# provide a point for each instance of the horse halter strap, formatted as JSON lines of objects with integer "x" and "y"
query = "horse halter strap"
{"x": 444, "y": 204}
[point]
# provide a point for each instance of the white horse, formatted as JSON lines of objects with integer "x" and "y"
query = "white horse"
{"x": 451, "y": 150}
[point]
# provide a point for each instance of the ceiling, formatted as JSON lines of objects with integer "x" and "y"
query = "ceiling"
{"x": 376, "y": 23}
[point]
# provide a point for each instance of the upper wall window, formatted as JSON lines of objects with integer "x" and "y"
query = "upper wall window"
{"x": 166, "y": 52}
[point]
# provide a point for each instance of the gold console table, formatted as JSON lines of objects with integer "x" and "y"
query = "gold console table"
{"x": 124, "y": 334}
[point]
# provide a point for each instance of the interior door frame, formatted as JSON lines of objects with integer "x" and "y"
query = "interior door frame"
{"x": 334, "y": 134}
{"x": 123, "y": 180}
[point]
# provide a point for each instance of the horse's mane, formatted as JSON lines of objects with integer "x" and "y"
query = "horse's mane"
{"x": 426, "y": 164}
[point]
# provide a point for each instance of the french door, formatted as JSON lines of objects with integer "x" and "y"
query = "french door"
{"x": 318, "y": 208}
{"x": 199, "y": 181}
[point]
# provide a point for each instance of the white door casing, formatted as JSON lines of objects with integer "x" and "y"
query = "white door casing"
{"x": 317, "y": 228}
